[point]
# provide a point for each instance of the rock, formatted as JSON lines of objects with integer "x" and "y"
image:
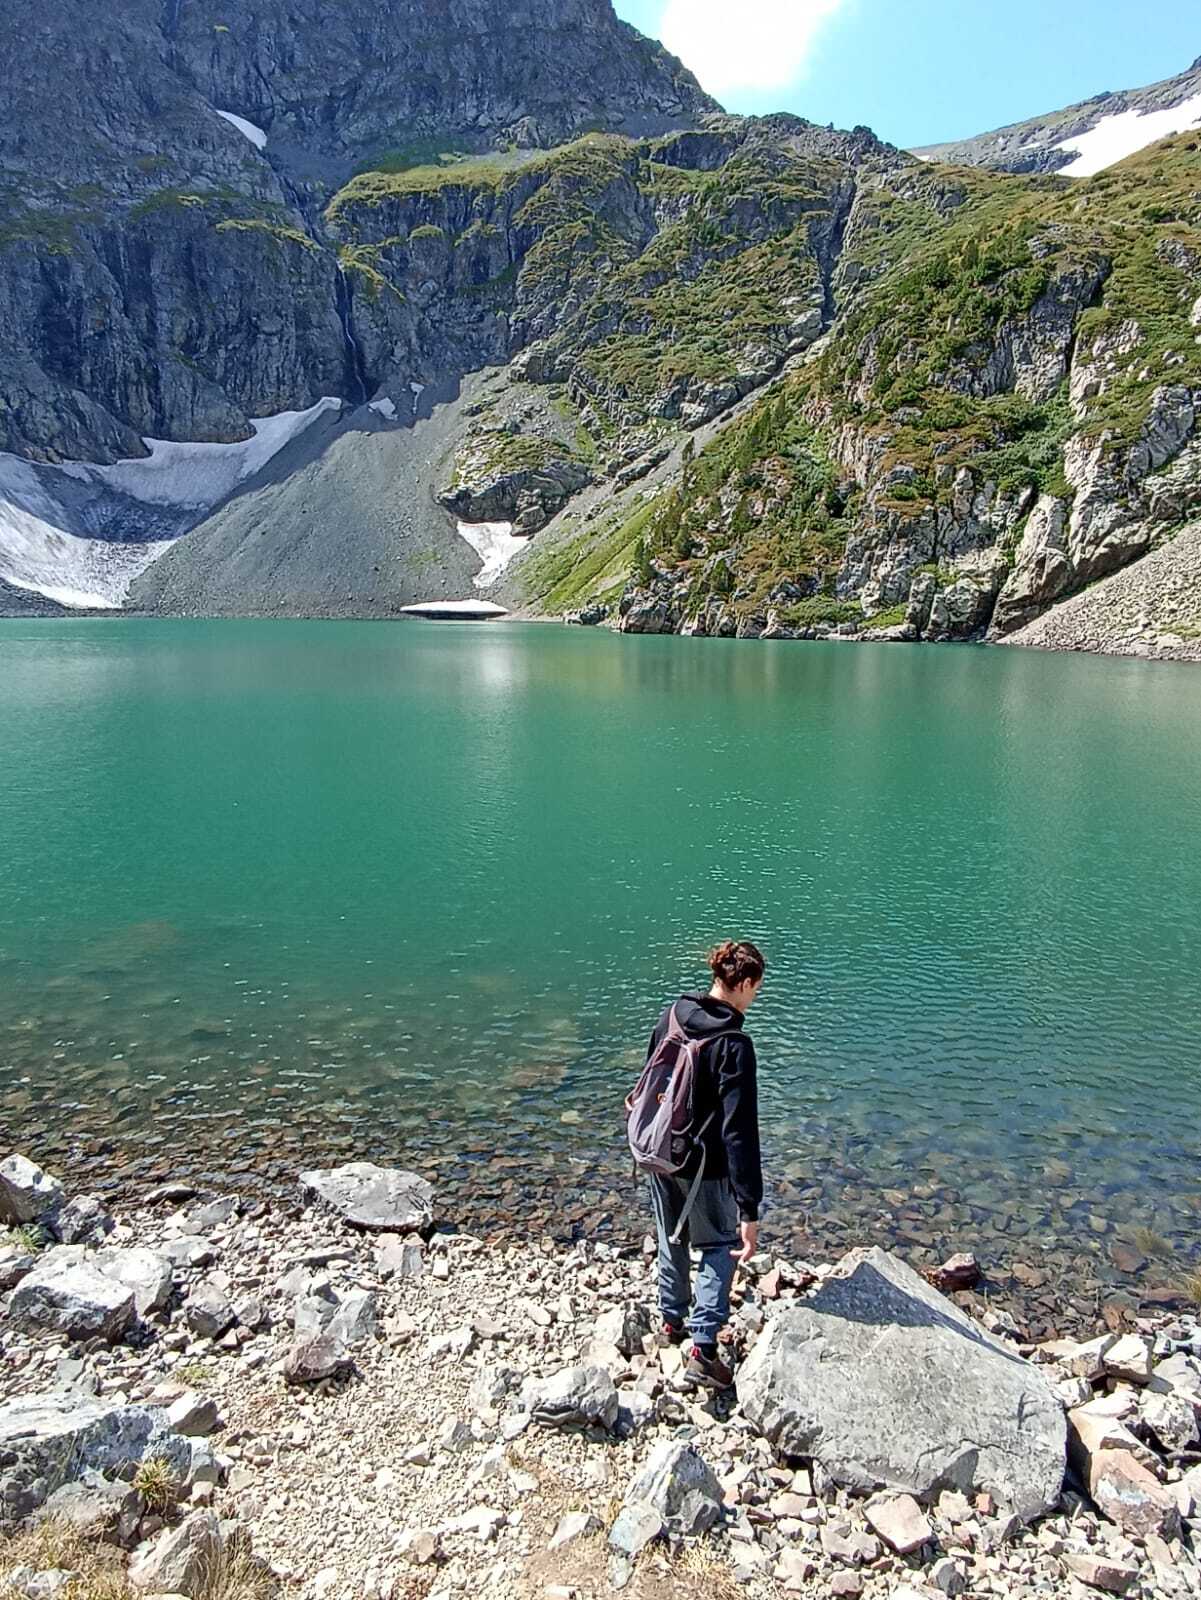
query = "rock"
{"x": 312, "y": 1313}
{"x": 313, "y": 1360}
{"x": 794, "y": 1570}
{"x": 209, "y": 1311}
{"x": 27, "y": 1194}
{"x": 1085, "y": 1361}
{"x": 491, "y": 1386}
{"x": 1172, "y": 1419}
{"x": 83, "y": 1220}
{"x": 681, "y": 1487}
{"x": 188, "y": 1252}
{"x": 1094, "y": 1430}
{"x": 14, "y": 1264}
{"x": 846, "y": 1583}
{"x": 178, "y": 1560}
{"x": 574, "y": 1398}
{"x": 1100, "y": 1572}
{"x": 47, "y": 1585}
{"x": 635, "y": 1526}
{"x": 887, "y": 1384}
{"x": 900, "y": 1522}
{"x": 1179, "y": 1374}
{"x": 356, "y": 1320}
{"x": 423, "y": 1548}
{"x": 58, "y": 1434}
{"x": 71, "y": 1298}
{"x": 97, "y": 1508}
{"x": 193, "y": 1414}
{"x": 1130, "y": 1496}
{"x": 957, "y": 1272}
{"x": 624, "y": 1327}
{"x": 147, "y": 1273}
{"x": 842, "y": 1542}
{"x": 1129, "y": 1357}
{"x": 213, "y": 1214}
{"x": 946, "y": 1577}
{"x": 400, "y": 1258}
{"x": 381, "y": 1199}
{"x": 575, "y": 1525}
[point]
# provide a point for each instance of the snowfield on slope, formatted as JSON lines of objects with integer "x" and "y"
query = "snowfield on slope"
{"x": 48, "y": 525}
{"x": 251, "y": 130}
{"x": 1114, "y": 138}
{"x": 496, "y": 544}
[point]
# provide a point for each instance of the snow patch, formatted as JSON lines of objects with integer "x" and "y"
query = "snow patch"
{"x": 384, "y": 408}
{"x": 496, "y": 544}
{"x": 47, "y": 524}
{"x": 456, "y": 608}
{"x": 38, "y": 553}
{"x": 196, "y": 476}
{"x": 1114, "y": 138}
{"x": 418, "y": 390}
{"x": 255, "y": 134}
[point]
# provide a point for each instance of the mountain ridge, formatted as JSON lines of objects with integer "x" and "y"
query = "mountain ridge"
{"x": 733, "y": 375}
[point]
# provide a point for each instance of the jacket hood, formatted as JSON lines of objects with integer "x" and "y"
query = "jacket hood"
{"x": 701, "y": 1016}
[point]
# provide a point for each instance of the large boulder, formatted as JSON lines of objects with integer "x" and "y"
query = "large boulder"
{"x": 72, "y": 1298}
{"x": 57, "y": 1437}
{"x": 889, "y": 1385}
{"x": 181, "y": 1559}
{"x": 146, "y": 1273}
{"x": 27, "y": 1194}
{"x": 382, "y": 1199}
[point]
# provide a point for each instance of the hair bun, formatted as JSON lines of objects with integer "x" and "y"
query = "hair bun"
{"x": 736, "y": 961}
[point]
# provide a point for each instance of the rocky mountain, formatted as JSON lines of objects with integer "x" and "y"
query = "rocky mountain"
{"x": 435, "y": 298}
{"x": 1084, "y": 138}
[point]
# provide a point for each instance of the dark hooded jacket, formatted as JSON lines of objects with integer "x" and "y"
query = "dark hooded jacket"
{"x": 726, "y": 1084}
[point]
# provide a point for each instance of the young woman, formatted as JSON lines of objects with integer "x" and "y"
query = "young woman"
{"x": 723, "y": 1222}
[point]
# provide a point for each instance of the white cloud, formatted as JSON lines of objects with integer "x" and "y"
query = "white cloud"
{"x": 741, "y": 46}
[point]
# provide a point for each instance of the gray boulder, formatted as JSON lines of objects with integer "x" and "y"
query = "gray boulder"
{"x": 209, "y": 1311}
{"x": 71, "y": 1298}
{"x": 58, "y": 1436}
{"x": 27, "y": 1194}
{"x": 382, "y": 1199}
{"x": 577, "y": 1397}
{"x": 680, "y": 1486}
{"x": 888, "y": 1385}
{"x": 180, "y": 1559}
{"x": 97, "y": 1508}
{"x": 148, "y": 1275}
{"x": 83, "y": 1220}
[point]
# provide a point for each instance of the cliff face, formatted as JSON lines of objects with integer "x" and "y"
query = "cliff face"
{"x": 165, "y": 271}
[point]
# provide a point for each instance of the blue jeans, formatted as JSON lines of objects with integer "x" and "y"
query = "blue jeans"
{"x": 711, "y": 1229}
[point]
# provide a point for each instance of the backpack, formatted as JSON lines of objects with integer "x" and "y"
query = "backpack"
{"x": 659, "y": 1110}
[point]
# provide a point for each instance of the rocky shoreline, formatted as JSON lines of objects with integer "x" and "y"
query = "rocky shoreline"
{"x": 350, "y": 1397}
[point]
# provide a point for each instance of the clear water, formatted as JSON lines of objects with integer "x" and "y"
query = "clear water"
{"x": 273, "y": 890}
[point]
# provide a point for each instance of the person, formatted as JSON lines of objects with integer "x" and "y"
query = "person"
{"x": 723, "y": 1222}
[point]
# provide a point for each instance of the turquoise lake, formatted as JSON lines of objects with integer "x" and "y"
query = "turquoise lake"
{"x": 275, "y": 891}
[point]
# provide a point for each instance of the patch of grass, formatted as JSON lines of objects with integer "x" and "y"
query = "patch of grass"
{"x": 702, "y": 1570}
{"x": 272, "y": 230}
{"x": 157, "y": 1485}
{"x": 891, "y": 617}
{"x": 1151, "y": 1243}
{"x": 194, "y": 1374}
{"x": 571, "y": 573}
{"x": 28, "y": 1236}
{"x": 54, "y": 1545}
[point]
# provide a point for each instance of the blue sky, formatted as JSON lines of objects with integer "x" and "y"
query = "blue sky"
{"x": 921, "y": 71}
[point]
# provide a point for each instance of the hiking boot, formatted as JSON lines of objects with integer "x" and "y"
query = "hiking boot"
{"x": 670, "y": 1333}
{"x": 707, "y": 1372}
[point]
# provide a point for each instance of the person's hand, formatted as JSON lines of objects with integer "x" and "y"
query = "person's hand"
{"x": 748, "y": 1232}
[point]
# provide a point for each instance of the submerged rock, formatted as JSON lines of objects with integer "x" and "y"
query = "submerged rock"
{"x": 887, "y": 1384}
